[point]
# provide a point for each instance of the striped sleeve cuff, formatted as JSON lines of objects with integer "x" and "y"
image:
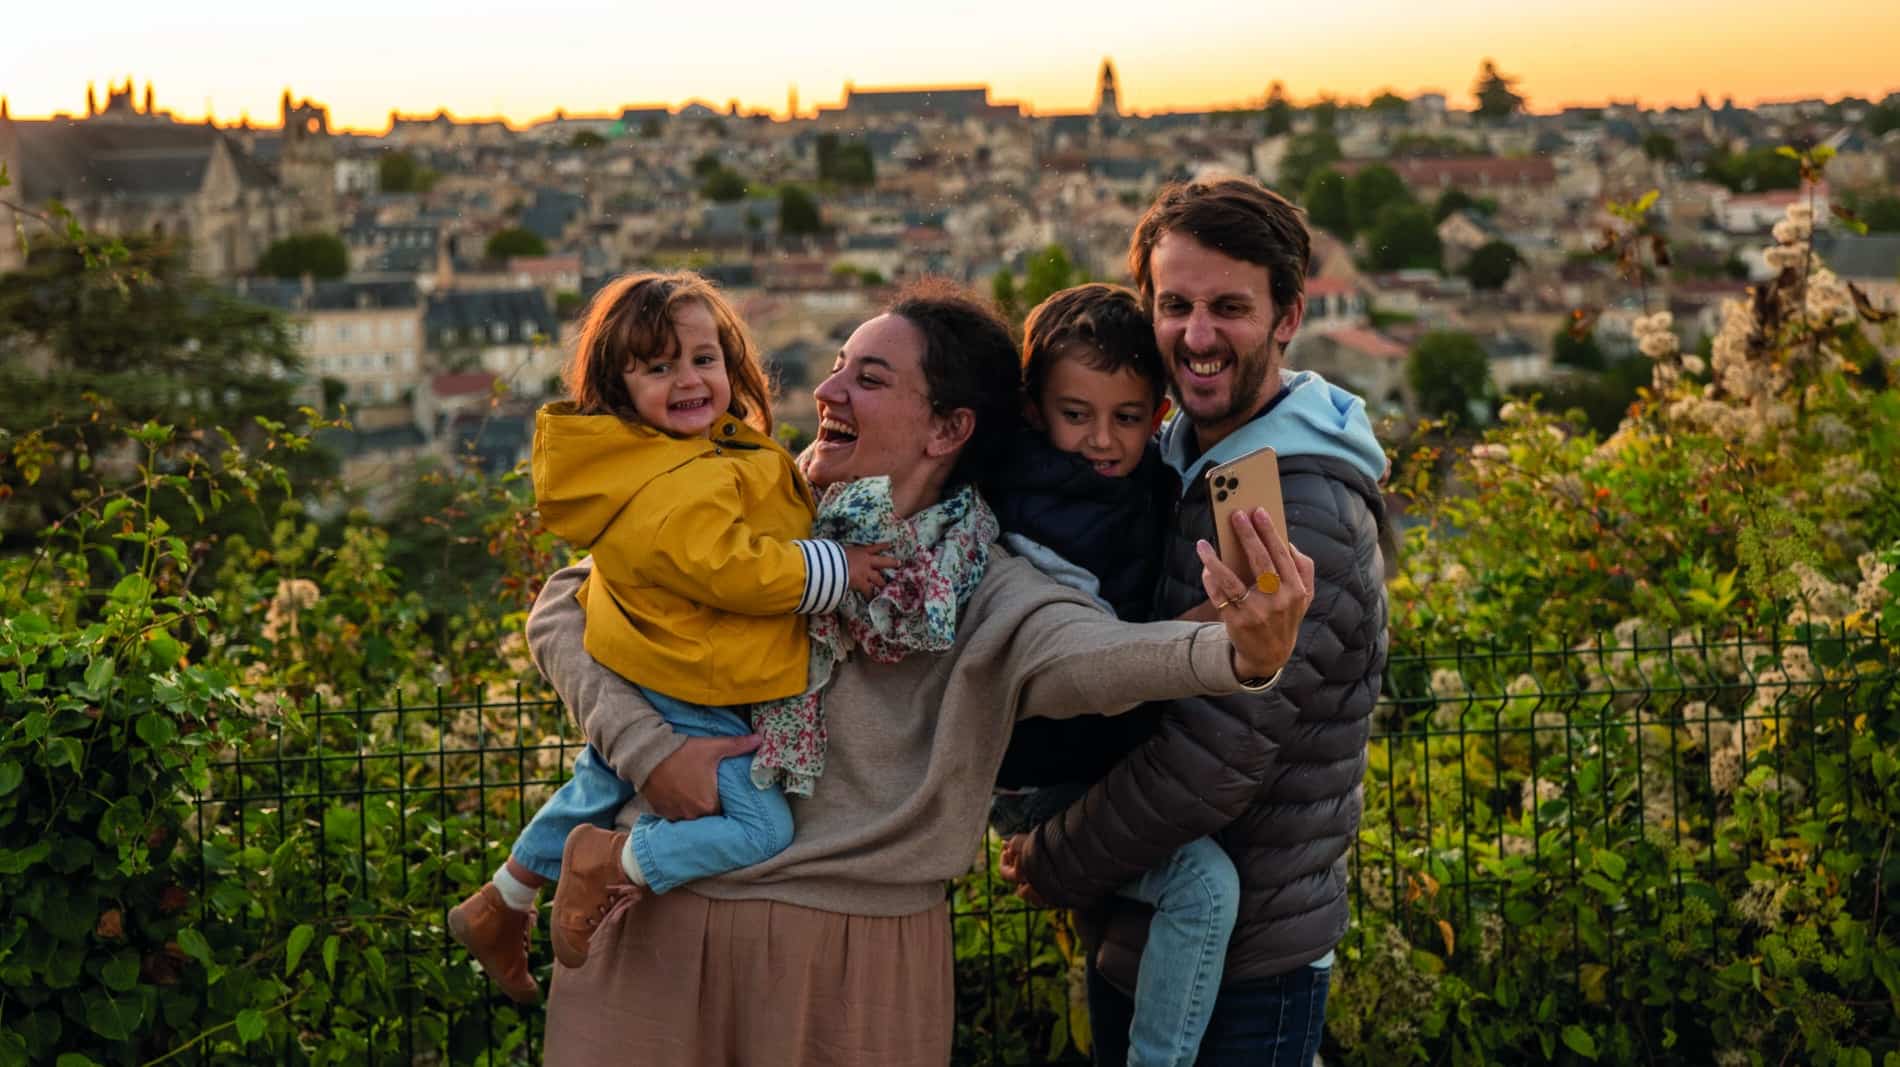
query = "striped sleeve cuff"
{"x": 827, "y": 576}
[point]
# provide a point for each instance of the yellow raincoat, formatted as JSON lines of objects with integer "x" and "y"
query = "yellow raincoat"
{"x": 696, "y": 575}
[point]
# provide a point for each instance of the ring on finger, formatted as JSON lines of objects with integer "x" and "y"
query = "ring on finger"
{"x": 1268, "y": 583}
{"x": 1223, "y": 605}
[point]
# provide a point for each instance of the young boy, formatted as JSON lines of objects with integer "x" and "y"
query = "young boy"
{"x": 1087, "y": 500}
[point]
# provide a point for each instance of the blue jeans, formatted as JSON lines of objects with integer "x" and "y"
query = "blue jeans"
{"x": 1258, "y": 1022}
{"x": 754, "y": 824}
{"x": 1196, "y": 897}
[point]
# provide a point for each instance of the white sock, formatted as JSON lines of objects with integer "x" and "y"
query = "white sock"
{"x": 631, "y": 863}
{"x": 515, "y": 893}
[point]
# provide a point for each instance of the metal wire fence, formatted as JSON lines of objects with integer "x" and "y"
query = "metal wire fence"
{"x": 1502, "y": 782}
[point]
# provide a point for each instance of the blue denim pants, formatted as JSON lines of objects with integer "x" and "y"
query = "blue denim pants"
{"x": 754, "y": 824}
{"x": 1258, "y": 1022}
{"x": 1196, "y": 897}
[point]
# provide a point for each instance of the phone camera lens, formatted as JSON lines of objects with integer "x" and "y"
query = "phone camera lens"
{"x": 1222, "y": 495}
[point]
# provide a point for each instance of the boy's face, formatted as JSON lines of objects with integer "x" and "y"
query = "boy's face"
{"x": 1104, "y": 417}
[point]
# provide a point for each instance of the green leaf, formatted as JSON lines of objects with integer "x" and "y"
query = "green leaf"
{"x": 300, "y": 939}
{"x": 114, "y": 1018}
{"x": 11, "y": 775}
{"x": 121, "y": 972}
{"x": 155, "y": 730}
{"x": 1787, "y": 152}
{"x": 329, "y": 956}
{"x": 193, "y": 944}
{"x": 99, "y": 674}
{"x": 112, "y": 508}
{"x": 250, "y": 1025}
{"x": 1580, "y": 1042}
{"x": 65, "y": 752}
{"x": 1610, "y": 863}
{"x": 74, "y": 1059}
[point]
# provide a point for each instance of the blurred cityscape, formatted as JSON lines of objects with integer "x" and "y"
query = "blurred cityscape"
{"x": 434, "y": 272}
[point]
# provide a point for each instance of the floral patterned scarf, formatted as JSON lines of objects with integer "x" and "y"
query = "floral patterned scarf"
{"x": 943, "y": 552}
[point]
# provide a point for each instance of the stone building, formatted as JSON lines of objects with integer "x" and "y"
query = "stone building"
{"x": 126, "y": 170}
{"x": 366, "y": 337}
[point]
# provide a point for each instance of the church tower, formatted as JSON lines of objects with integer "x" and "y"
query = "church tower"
{"x": 1106, "y": 104}
{"x": 307, "y": 165}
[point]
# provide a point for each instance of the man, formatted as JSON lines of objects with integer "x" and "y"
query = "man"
{"x": 1274, "y": 777}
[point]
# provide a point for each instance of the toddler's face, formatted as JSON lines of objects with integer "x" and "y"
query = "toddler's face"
{"x": 684, "y": 391}
{"x": 1104, "y": 417}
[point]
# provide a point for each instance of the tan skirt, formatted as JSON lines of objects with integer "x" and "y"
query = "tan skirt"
{"x": 682, "y": 980}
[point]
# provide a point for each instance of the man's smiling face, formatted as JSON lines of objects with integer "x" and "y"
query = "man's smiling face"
{"x": 1219, "y": 332}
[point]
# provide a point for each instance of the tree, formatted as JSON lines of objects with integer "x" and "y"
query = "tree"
{"x": 798, "y": 212}
{"x": 398, "y": 172}
{"x": 1370, "y": 190}
{"x": 1583, "y": 353}
{"x": 1449, "y": 373}
{"x": 1754, "y": 171}
{"x": 1279, "y": 112}
{"x": 706, "y": 166}
{"x": 1046, "y": 273}
{"x": 1659, "y": 147}
{"x": 1883, "y": 119}
{"x": 1307, "y": 153}
{"x": 723, "y": 185}
{"x": 1404, "y": 237}
{"x": 1003, "y": 294}
{"x": 1450, "y": 202}
{"x": 144, "y": 340}
{"x": 1325, "y": 114}
{"x": 1491, "y": 265}
{"x": 1325, "y": 202}
{"x": 586, "y": 139}
{"x": 514, "y": 241}
{"x": 1880, "y": 213}
{"x": 847, "y": 164}
{"x": 320, "y": 255}
{"x": 1389, "y": 104}
{"x": 1496, "y": 93}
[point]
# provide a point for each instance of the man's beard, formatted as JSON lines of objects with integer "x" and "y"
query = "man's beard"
{"x": 1249, "y": 379}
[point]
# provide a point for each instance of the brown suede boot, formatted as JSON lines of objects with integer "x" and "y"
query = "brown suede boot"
{"x": 591, "y": 882}
{"x": 497, "y": 936}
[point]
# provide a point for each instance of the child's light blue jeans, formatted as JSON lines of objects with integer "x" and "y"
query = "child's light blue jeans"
{"x": 1196, "y": 897}
{"x": 754, "y": 825}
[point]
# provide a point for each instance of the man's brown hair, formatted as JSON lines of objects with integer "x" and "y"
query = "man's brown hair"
{"x": 1236, "y": 217}
{"x": 631, "y": 321}
{"x": 1101, "y": 325}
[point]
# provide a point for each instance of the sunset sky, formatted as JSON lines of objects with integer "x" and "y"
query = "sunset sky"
{"x": 520, "y": 60}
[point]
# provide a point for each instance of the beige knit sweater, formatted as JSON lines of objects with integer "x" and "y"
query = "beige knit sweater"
{"x": 914, "y": 745}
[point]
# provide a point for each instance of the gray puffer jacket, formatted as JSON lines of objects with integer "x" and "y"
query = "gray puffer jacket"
{"x": 1275, "y": 778}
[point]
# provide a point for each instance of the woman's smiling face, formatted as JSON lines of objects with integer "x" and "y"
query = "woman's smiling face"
{"x": 874, "y": 413}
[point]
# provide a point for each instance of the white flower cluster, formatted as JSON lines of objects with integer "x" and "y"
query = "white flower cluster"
{"x": 1871, "y": 595}
{"x": 293, "y": 596}
{"x": 1654, "y": 336}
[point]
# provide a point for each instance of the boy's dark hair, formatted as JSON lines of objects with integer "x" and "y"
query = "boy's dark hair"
{"x": 1103, "y": 326}
{"x": 970, "y": 361}
{"x": 1236, "y": 217}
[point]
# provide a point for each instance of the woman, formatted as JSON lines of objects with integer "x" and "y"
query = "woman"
{"x": 837, "y": 951}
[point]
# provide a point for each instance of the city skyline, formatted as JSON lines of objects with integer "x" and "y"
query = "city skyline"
{"x": 365, "y": 60}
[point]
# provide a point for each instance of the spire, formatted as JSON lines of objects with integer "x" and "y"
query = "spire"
{"x": 4, "y": 117}
{"x": 1107, "y": 104}
{"x": 148, "y": 100}
{"x": 92, "y": 102}
{"x": 285, "y": 116}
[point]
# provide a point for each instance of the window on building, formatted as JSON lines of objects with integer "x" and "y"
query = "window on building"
{"x": 498, "y": 331}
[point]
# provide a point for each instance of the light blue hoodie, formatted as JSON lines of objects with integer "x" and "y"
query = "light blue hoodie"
{"x": 1314, "y": 418}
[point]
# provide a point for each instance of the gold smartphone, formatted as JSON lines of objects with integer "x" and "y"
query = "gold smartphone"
{"x": 1252, "y": 481}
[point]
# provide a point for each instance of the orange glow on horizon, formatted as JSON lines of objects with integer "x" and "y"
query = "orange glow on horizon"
{"x": 478, "y": 58}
